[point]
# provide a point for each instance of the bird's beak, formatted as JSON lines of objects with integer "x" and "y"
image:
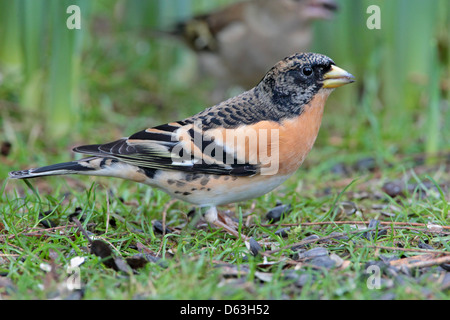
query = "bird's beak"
{"x": 320, "y": 9}
{"x": 337, "y": 77}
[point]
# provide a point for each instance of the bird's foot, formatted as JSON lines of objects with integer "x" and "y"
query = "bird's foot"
{"x": 219, "y": 220}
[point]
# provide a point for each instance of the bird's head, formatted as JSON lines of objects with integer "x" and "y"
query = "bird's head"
{"x": 295, "y": 80}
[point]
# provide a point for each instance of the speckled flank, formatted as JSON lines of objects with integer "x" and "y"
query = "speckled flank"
{"x": 215, "y": 189}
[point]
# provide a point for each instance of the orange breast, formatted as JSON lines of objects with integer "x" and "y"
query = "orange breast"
{"x": 278, "y": 148}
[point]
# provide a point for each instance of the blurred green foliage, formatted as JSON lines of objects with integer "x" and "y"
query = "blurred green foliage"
{"x": 403, "y": 68}
{"x": 60, "y": 85}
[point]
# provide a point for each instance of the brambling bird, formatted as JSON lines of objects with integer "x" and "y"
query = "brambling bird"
{"x": 239, "y": 149}
{"x": 239, "y": 43}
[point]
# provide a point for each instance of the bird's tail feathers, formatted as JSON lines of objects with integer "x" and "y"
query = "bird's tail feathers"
{"x": 88, "y": 166}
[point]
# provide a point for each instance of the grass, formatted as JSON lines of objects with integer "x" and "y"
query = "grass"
{"x": 127, "y": 81}
{"x": 194, "y": 257}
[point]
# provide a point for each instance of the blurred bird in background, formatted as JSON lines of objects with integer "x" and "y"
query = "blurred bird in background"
{"x": 237, "y": 44}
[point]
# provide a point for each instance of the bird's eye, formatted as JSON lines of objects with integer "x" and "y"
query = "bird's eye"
{"x": 307, "y": 71}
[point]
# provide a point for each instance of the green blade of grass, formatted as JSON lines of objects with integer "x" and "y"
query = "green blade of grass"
{"x": 10, "y": 48}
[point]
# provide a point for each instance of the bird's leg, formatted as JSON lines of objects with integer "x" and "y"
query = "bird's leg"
{"x": 211, "y": 216}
